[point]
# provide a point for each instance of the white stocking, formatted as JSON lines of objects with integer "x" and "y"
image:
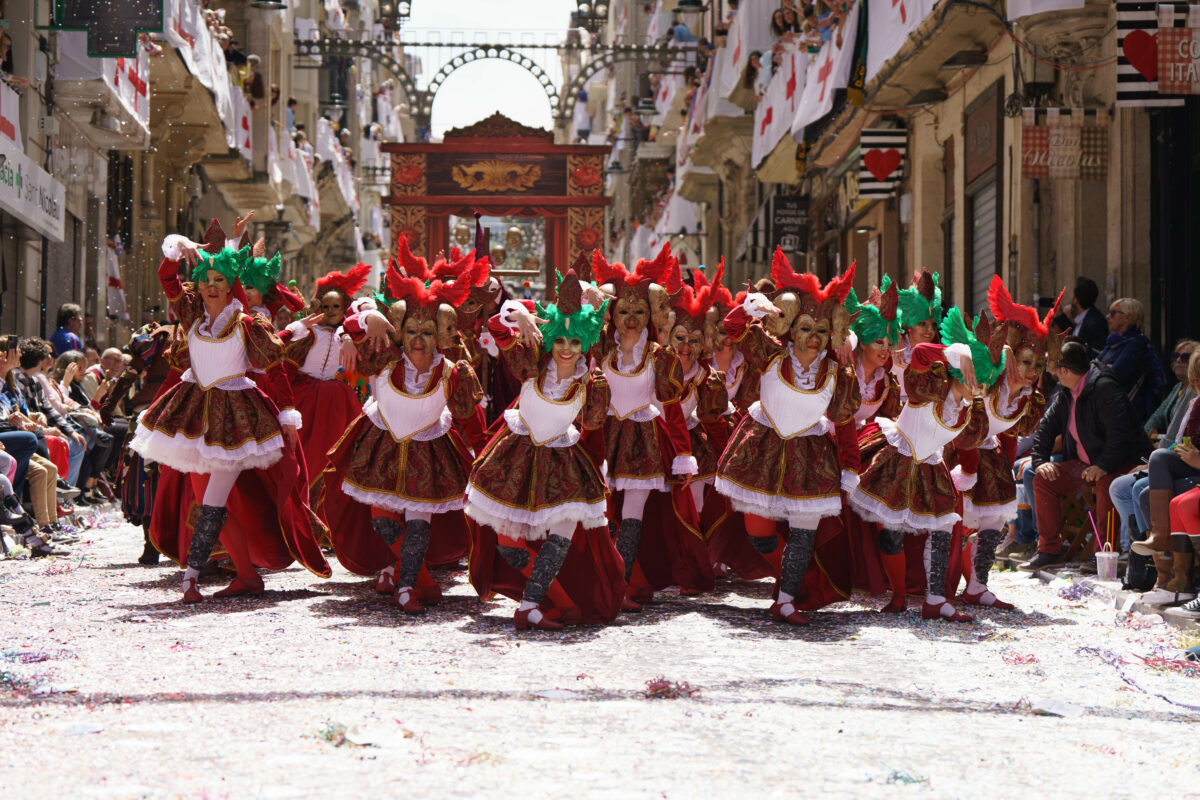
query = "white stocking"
{"x": 220, "y": 484}
{"x": 697, "y": 490}
{"x": 634, "y": 504}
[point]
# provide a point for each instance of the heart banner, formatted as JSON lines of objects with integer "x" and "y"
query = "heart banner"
{"x": 1139, "y": 46}
{"x": 882, "y": 161}
{"x": 1064, "y": 143}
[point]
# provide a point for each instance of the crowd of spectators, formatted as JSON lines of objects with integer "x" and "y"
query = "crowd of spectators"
{"x": 55, "y": 451}
{"x": 1119, "y": 437}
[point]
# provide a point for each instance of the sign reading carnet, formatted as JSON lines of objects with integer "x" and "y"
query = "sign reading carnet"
{"x": 789, "y": 223}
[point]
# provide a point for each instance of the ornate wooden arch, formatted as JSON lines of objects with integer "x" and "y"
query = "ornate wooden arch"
{"x": 498, "y": 167}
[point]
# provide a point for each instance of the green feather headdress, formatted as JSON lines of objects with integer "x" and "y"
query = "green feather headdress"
{"x": 229, "y": 262}
{"x": 921, "y": 301}
{"x": 262, "y": 273}
{"x": 955, "y": 331}
{"x": 873, "y": 323}
{"x": 569, "y": 317}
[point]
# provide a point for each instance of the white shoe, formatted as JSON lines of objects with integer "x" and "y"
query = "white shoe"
{"x": 1165, "y": 597}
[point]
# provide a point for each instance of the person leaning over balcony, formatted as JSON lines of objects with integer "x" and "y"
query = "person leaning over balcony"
{"x": 66, "y": 335}
{"x": 1134, "y": 359}
{"x": 1102, "y": 439}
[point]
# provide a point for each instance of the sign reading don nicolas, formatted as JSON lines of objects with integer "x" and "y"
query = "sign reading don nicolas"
{"x": 1068, "y": 143}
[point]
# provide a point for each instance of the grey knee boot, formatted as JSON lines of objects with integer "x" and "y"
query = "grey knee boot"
{"x": 797, "y": 554}
{"x": 412, "y": 552}
{"x": 985, "y": 553}
{"x": 549, "y": 561}
{"x": 939, "y": 561}
{"x": 388, "y": 529}
{"x": 629, "y": 538}
{"x": 205, "y": 535}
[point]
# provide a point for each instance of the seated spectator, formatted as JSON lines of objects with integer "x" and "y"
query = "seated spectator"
{"x": 66, "y": 335}
{"x": 35, "y": 353}
{"x": 110, "y": 366}
{"x": 1089, "y": 322}
{"x": 1169, "y": 414}
{"x": 66, "y": 372}
{"x": 14, "y": 438}
{"x": 1134, "y": 359}
{"x": 1101, "y": 440}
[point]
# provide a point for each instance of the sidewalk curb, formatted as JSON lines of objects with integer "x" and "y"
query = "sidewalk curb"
{"x": 1123, "y": 600}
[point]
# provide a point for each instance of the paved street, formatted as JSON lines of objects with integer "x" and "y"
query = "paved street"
{"x": 110, "y": 688}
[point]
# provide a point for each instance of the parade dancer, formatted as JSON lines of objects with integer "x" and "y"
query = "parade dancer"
{"x": 783, "y": 463}
{"x": 312, "y": 353}
{"x": 648, "y": 449}
{"x": 905, "y": 486}
{"x": 920, "y": 318}
{"x": 536, "y": 492}
{"x": 1014, "y": 406}
{"x": 222, "y": 430}
{"x": 874, "y": 334}
{"x": 265, "y": 294}
{"x": 403, "y": 460}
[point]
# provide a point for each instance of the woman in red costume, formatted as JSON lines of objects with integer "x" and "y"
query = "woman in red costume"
{"x": 1014, "y": 406}
{"x": 920, "y": 316}
{"x": 265, "y": 294}
{"x": 905, "y": 485}
{"x": 224, "y": 431}
{"x": 312, "y": 353}
{"x": 783, "y": 463}
{"x": 536, "y": 492}
{"x": 648, "y": 448}
{"x": 403, "y": 459}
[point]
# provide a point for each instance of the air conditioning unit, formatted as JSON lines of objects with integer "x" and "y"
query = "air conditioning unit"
{"x": 47, "y": 124}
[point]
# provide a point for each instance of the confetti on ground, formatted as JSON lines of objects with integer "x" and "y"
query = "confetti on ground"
{"x": 662, "y": 689}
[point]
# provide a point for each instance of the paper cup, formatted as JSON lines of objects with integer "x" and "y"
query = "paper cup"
{"x": 1106, "y": 565}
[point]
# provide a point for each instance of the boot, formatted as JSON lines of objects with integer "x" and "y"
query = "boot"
{"x": 895, "y": 566}
{"x": 549, "y": 561}
{"x": 1159, "y": 539}
{"x": 412, "y": 557}
{"x": 205, "y": 535}
{"x": 15, "y": 516}
{"x": 1180, "y": 582}
{"x": 629, "y": 538}
{"x": 149, "y": 556}
{"x": 1139, "y": 574}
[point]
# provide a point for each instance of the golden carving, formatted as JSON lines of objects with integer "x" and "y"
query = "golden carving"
{"x": 496, "y": 176}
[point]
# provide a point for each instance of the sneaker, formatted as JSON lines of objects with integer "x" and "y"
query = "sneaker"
{"x": 66, "y": 490}
{"x": 1016, "y": 551}
{"x": 1042, "y": 561}
{"x": 1191, "y": 608}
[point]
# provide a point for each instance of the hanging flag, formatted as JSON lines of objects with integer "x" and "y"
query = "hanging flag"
{"x": 775, "y": 111}
{"x": 882, "y": 166}
{"x": 1178, "y": 50}
{"x": 116, "y": 291}
{"x": 10, "y": 115}
{"x": 1137, "y": 54}
{"x": 827, "y": 72}
{"x": 1065, "y": 143}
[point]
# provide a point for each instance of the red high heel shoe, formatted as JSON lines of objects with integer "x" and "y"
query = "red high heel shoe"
{"x": 793, "y": 617}
{"x": 191, "y": 594}
{"x": 981, "y": 599}
{"x": 522, "y": 622}
{"x": 241, "y": 586}
{"x": 407, "y": 600}
{"x": 934, "y": 611}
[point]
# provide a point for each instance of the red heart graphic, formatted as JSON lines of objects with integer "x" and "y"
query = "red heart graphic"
{"x": 882, "y": 163}
{"x": 1141, "y": 51}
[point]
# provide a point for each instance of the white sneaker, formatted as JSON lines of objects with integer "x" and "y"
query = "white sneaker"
{"x": 1165, "y": 597}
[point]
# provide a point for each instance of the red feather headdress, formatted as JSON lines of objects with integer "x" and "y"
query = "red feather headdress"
{"x": 691, "y": 305}
{"x": 634, "y": 284}
{"x": 1033, "y": 331}
{"x": 416, "y": 293}
{"x": 412, "y": 266}
{"x": 348, "y": 282}
{"x": 814, "y": 298}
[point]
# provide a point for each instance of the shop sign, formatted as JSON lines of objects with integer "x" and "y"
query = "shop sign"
{"x": 789, "y": 223}
{"x": 1179, "y": 58}
{"x": 1068, "y": 143}
{"x": 29, "y": 193}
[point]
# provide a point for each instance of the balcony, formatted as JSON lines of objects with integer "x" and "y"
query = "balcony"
{"x": 106, "y": 99}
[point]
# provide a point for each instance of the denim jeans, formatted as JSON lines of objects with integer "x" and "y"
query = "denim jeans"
{"x": 20, "y": 445}
{"x": 1026, "y": 528}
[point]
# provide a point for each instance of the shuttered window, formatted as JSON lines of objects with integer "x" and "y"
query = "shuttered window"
{"x": 983, "y": 250}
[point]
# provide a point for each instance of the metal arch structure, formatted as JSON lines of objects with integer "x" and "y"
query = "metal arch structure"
{"x": 562, "y": 102}
{"x": 363, "y": 48}
{"x": 605, "y": 58}
{"x": 481, "y": 53}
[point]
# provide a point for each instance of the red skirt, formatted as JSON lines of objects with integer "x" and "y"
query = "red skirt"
{"x": 328, "y": 408}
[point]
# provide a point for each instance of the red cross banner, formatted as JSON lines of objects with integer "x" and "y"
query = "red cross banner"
{"x": 828, "y": 71}
{"x": 1064, "y": 143}
{"x": 774, "y": 113}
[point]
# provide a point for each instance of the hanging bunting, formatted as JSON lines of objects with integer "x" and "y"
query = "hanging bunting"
{"x": 1138, "y": 35}
{"x": 882, "y": 166}
{"x": 1065, "y": 143}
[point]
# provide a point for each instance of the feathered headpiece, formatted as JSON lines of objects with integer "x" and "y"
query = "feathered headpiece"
{"x": 986, "y": 361}
{"x": 633, "y": 285}
{"x": 691, "y": 305}
{"x": 262, "y": 273}
{"x": 1024, "y": 327}
{"x": 227, "y": 261}
{"x": 921, "y": 301}
{"x": 569, "y": 317}
{"x": 348, "y": 282}
{"x": 214, "y": 238}
{"x": 798, "y": 293}
{"x": 289, "y": 297}
{"x": 876, "y": 321}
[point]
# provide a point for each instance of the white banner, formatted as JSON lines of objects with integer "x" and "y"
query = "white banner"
{"x": 1023, "y": 8}
{"x": 115, "y": 299}
{"x": 829, "y": 71}
{"x": 10, "y": 115}
{"x": 750, "y": 31}
{"x": 891, "y": 22}
{"x": 774, "y": 114}
{"x": 29, "y": 193}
